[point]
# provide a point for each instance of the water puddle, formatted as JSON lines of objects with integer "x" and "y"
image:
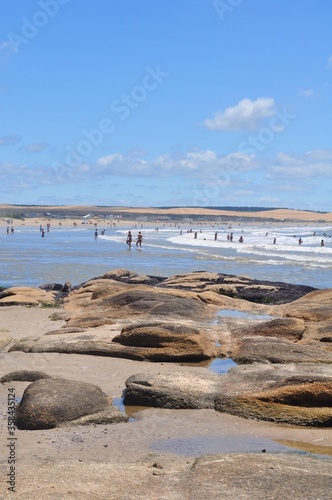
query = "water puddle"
{"x": 129, "y": 410}
{"x": 202, "y": 445}
{"x": 221, "y": 365}
{"x": 307, "y": 447}
{"x": 216, "y": 365}
{"x": 197, "y": 446}
{"x": 230, "y": 313}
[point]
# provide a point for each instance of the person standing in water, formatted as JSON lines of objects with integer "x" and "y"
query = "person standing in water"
{"x": 139, "y": 240}
{"x": 129, "y": 239}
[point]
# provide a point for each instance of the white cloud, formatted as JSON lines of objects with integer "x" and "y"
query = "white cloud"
{"x": 315, "y": 164}
{"x": 329, "y": 62}
{"x": 307, "y": 93}
{"x": 246, "y": 115}
{"x": 37, "y": 147}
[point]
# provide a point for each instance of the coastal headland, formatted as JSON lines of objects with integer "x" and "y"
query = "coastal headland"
{"x": 123, "y": 390}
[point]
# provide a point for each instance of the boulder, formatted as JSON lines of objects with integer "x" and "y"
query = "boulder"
{"x": 48, "y": 403}
{"x": 172, "y": 390}
{"x": 293, "y": 394}
{"x": 173, "y": 341}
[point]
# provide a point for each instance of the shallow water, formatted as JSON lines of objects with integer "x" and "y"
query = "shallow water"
{"x": 72, "y": 254}
{"x": 202, "y": 445}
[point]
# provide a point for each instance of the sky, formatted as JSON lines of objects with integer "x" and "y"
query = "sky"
{"x": 178, "y": 103}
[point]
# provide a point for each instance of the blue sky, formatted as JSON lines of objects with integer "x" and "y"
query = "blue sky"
{"x": 154, "y": 103}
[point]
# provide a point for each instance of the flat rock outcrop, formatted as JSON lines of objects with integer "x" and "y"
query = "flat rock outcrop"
{"x": 282, "y": 328}
{"x": 242, "y": 287}
{"x": 275, "y": 350}
{"x": 26, "y": 295}
{"x": 172, "y": 390}
{"x": 292, "y": 394}
{"x": 49, "y": 403}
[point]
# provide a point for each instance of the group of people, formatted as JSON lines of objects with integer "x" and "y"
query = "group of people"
{"x": 139, "y": 239}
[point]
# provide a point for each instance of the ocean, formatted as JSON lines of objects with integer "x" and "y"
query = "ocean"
{"x": 69, "y": 253}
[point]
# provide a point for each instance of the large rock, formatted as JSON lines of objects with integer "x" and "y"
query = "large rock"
{"x": 150, "y": 341}
{"x": 242, "y": 287}
{"x": 315, "y": 306}
{"x": 293, "y": 394}
{"x": 158, "y": 304}
{"x": 25, "y": 295}
{"x": 273, "y": 350}
{"x": 174, "y": 341}
{"x": 283, "y": 328}
{"x": 51, "y": 402}
{"x": 172, "y": 390}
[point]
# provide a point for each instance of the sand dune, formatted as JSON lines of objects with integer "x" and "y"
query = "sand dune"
{"x": 78, "y": 211}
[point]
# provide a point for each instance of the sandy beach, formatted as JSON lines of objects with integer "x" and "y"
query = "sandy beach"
{"x": 172, "y": 439}
{"x": 171, "y": 454}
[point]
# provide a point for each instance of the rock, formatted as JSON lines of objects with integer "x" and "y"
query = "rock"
{"x": 172, "y": 390}
{"x": 315, "y": 306}
{"x": 172, "y": 341}
{"x": 285, "y": 328}
{"x": 48, "y": 403}
{"x": 112, "y": 415}
{"x": 273, "y": 350}
{"x": 158, "y": 304}
{"x": 24, "y": 376}
{"x": 293, "y": 394}
{"x": 27, "y": 296}
{"x": 242, "y": 287}
{"x": 307, "y": 404}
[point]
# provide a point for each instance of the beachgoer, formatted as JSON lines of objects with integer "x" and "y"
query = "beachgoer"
{"x": 215, "y": 236}
{"x": 139, "y": 239}
{"x": 300, "y": 241}
{"x": 96, "y": 234}
{"x": 274, "y": 241}
{"x": 195, "y": 236}
{"x": 129, "y": 239}
{"x": 241, "y": 239}
{"x": 42, "y": 233}
{"x": 322, "y": 243}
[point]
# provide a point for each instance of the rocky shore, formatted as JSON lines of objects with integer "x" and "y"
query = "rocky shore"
{"x": 75, "y": 355}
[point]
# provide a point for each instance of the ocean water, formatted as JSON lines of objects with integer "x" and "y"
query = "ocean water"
{"x": 72, "y": 254}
